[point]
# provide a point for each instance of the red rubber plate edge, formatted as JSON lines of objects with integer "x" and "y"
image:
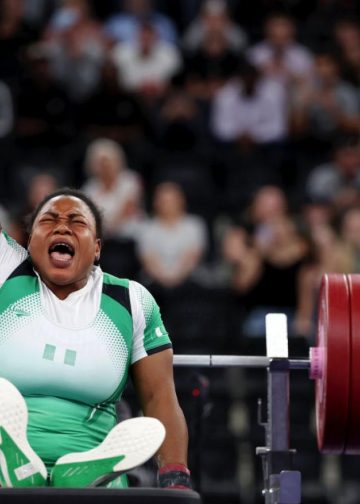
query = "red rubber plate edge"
{"x": 352, "y": 443}
{"x": 332, "y": 391}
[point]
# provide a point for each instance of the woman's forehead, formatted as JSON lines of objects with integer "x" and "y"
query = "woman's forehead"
{"x": 64, "y": 204}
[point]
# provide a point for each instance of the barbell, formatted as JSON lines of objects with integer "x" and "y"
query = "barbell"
{"x": 334, "y": 364}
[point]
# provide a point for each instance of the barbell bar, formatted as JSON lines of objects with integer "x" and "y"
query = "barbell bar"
{"x": 334, "y": 363}
{"x": 244, "y": 361}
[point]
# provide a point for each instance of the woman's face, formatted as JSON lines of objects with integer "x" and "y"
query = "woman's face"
{"x": 63, "y": 244}
{"x": 168, "y": 201}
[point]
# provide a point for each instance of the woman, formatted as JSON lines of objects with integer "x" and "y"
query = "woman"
{"x": 114, "y": 188}
{"x": 70, "y": 334}
{"x": 173, "y": 242}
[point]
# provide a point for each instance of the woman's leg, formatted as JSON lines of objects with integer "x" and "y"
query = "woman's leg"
{"x": 129, "y": 444}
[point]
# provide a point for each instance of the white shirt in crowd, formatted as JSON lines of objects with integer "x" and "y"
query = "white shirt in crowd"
{"x": 112, "y": 203}
{"x": 170, "y": 244}
{"x": 263, "y": 116}
{"x": 134, "y": 70}
{"x": 296, "y": 59}
{"x": 326, "y": 181}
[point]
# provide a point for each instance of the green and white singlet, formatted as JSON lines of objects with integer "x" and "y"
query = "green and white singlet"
{"x": 71, "y": 358}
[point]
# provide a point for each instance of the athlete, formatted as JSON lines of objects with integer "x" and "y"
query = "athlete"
{"x": 70, "y": 335}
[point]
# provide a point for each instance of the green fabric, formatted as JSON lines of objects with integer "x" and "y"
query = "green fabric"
{"x": 122, "y": 319}
{"x": 17, "y": 288}
{"x": 58, "y": 426}
{"x": 82, "y": 474}
{"x": 15, "y": 460}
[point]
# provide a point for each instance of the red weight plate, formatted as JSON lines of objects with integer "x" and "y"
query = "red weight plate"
{"x": 353, "y": 431}
{"x": 332, "y": 390}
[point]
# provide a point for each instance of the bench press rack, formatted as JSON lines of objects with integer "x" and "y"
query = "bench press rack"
{"x": 281, "y": 484}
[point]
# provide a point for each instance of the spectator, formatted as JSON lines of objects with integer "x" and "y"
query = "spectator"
{"x": 323, "y": 15}
{"x": 328, "y": 105}
{"x": 78, "y": 48}
{"x": 328, "y": 254}
{"x": 37, "y": 12}
{"x": 126, "y": 26}
{"x": 268, "y": 252}
{"x": 147, "y": 66}
{"x": 173, "y": 242}
{"x": 210, "y": 65}
{"x": 251, "y": 108}
{"x": 338, "y": 182}
{"x": 350, "y": 233}
{"x": 281, "y": 245}
{"x": 6, "y": 110}
{"x": 249, "y": 118}
{"x": 347, "y": 34}
{"x": 113, "y": 112}
{"x": 4, "y": 217}
{"x": 6, "y": 141}
{"x": 181, "y": 125}
{"x": 347, "y": 40}
{"x": 265, "y": 271}
{"x": 43, "y": 110}
{"x": 269, "y": 202}
{"x": 314, "y": 213}
{"x": 214, "y": 20}
{"x": 66, "y": 15}
{"x": 279, "y": 56}
{"x": 242, "y": 257}
{"x": 39, "y": 185}
{"x": 15, "y": 35}
{"x": 114, "y": 188}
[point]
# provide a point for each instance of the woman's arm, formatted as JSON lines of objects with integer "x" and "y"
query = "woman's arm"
{"x": 11, "y": 255}
{"x": 154, "y": 382}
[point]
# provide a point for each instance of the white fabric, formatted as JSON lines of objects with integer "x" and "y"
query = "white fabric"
{"x": 135, "y": 71}
{"x": 196, "y": 33}
{"x": 139, "y": 322}
{"x": 11, "y": 255}
{"x": 112, "y": 203}
{"x": 79, "y": 310}
{"x": 171, "y": 243}
{"x": 263, "y": 116}
{"x": 296, "y": 59}
{"x": 89, "y": 353}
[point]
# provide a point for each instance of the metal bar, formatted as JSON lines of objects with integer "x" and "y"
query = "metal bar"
{"x": 278, "y": 430}
{"x": 246, "y": 361}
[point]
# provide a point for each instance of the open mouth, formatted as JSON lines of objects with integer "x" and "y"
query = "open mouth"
{"x": 61, "y": 252}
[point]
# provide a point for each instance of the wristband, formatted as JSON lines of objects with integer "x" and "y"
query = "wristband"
{"x": 176, "y": 476}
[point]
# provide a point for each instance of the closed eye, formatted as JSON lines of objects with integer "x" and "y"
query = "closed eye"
{"x": 77, "y": 221}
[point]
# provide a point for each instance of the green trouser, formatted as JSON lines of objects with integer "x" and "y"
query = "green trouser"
{"x": 119, "y": 482}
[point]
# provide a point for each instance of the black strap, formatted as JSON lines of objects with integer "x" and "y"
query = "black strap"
{"x": 174, "y": 478}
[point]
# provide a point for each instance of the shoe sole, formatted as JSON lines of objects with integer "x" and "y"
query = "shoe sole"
{"x": 128, "y": 445}
{"x": 13, "y": 427}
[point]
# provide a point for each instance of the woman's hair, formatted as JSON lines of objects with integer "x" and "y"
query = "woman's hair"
{"x": 75, "y": 193}
{"x": 103, "y": 146}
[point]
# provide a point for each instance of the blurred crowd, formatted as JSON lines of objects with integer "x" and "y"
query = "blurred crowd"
{"x": 220, "y": 139}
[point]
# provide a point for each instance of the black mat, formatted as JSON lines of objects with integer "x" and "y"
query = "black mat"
{"x": 97, "y": 496}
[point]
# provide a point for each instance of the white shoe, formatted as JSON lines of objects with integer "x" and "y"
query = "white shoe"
{"x": 129, "y": 444}
{"x": 20, "y": 466}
